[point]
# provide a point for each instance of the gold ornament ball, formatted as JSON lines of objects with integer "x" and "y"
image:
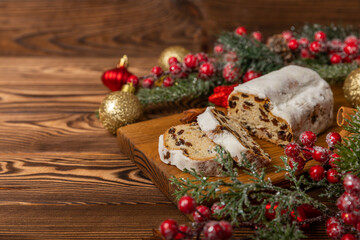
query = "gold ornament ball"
{"x": 352, "y": 87}
{"x": 175, "y": 51}
{"x": 119, "y": 109}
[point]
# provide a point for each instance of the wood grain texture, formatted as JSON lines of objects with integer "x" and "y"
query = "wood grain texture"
{"x": 145, "y": 28}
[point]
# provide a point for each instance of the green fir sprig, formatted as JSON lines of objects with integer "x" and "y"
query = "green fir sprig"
{"x": 332, "y": 31}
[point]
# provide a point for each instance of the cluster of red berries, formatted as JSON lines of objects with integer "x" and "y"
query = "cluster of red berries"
{"x": 345, "y": 51}
{"x": 320, "y": 154}
{"x": 348, "y": 227}
{"x": 203, "y": 217}
{"x": 192, "y": 62}
{"x": 230, "y": 72}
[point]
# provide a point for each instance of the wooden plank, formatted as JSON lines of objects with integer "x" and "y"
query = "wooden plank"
{"x": 139, "y": 141}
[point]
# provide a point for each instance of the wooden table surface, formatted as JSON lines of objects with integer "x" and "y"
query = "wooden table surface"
{"x": 62, "y": 175}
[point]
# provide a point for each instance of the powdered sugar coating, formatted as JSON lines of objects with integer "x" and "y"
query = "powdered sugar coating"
{"x": 296, "y": 94}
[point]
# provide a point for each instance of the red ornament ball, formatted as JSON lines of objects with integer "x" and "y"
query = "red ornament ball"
{"x": 240, "y": 31}
{"x": 335, "y": 58}
{"x": 300, "y": 163}
{"x": 172, "y": 60}
{"x": 133, "y": 79}
{"x": 201, "y": 214}
{"x": 308, "y": 138}
{"x": 332, "y": 176}
{"x": 320, "y": 154}
{"x": 317, "y": 172}
{"x": 257, "y": 35}
{"x": 333, "y": 138}
{"x": 303, "y": 42}
{"x": 148, "y": 83}
{"x": 186, "y": 204}
{"x": 348, "y": 236}
{"x": 206, "y": 70}
{"x": 333, "y": 160}
{"x": 320, "y": 36}
{"x": 202, "y": 57}
{"x": 115, "y": 78}
{"x": 218, "y": 49}
{"x": 168, "y": 82}
{"x": 169, "y": 229}
{"x": 250, "y": 75}
{"x": 350, "y": 49}
{"x": 292, "y": 150}
{"x": 307, "y": 152}
{"x": 287, "y": 35}
{"x": 190, "y": 61}
{"x": 157, "y": 71}
{"x": 351, "y": 39}
{"x": 175, "y": 69}
{"x": 231, "y": 73}
{"x": 293, "y": 44}
{"x": 315, "y": 46}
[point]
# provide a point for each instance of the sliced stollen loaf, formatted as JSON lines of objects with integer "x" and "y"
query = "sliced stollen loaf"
{"x": 232, "y": 136}
{"x": 279, "y": 106}
{"x": 186, "y": 146}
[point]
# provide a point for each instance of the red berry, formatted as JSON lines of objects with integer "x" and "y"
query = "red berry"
{"x": 348, "y": 218}
{"x": 304, "y": 42}
{"x": 304, "y": 53}
{"x": 206, "y": 70}
{"x": 201, "y": 214}
{"x": 213, "y": 231}
{"x": 250, "y": 75}
{"x": 148, "y": 82}
{"x": 292, "y": 150}
{"x": 227, "y": 229}
{"x": 175, "y": 69}
{"x": 202, "y": 57}
{"x": 351, "y": 183}
{"x": 350, "y": 48}
{"x": 334, "y": 230}
{"x": 287, "y": 35}
{"x": 240, "y": 31}
{"x": 348, "y": 236}
{"x": 317, "y": 172}
{"x": 133, "y": 79}
{"x": 184, "y": 233}
{"x": 335, "y": 58}
{"x": 186, "y": 204}
{"x": 257, "y": 35}
{"x": 351, "y": 39}
{"x": 172, "y": 60}
{"x": 333, "y": 159}
{"x": 315, "y": 47}
{"x": 231, "y": 56}
{"x": 218, "y": 49}
{"x": 332, "y": 176}
{"x": 308, "y": 138}
{"x": 333, "y": 138}
{"x": 320, "y": 36}
{"x": 348, "y": 59}
{"x": 293, "y": 44}
{"x": 320, "y": 154}
{"x": 357, "y": 60}
{"x": 157, "y": 71}
{"x": 168, "y": 229}
{"x": 300, "y": 163}
{"x": 358, "y": 226}
{"x": 190, "y": 61}
{"x": 216, "y": 208}
{"x": 336, "y": 44}
{"x": 270, "y": 213}
{"x": 307, "y": 152}
{"x": 168, "y": 82}
{"x": 231, "y": 73}
{"x": 347, "y": 202}
{"x": 332, "y": 220}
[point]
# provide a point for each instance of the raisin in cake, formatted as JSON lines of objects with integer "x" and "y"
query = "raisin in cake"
{"x": 232, "y": 136}
{"x": 186, "y": 146}
{"x": 280, "y": 105}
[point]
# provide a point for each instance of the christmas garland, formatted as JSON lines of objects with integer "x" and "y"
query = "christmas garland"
{"x": 276, "y": 212}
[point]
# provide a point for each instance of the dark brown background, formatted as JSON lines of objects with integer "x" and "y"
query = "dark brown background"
{"x": 62, "y": 176}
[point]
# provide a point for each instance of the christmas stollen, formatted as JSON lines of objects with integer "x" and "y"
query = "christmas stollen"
{"x": 281, "y": 105}
{"x": 231, "y": 135}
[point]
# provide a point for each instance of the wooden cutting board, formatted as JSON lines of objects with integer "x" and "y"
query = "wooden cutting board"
{"x": 140, "y": 142}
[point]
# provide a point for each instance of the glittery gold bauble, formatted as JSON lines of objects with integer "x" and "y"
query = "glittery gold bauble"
{"x": 174, "y": 51}
{"x": 119, "y": 109}
{"x": 352, "y": 87}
